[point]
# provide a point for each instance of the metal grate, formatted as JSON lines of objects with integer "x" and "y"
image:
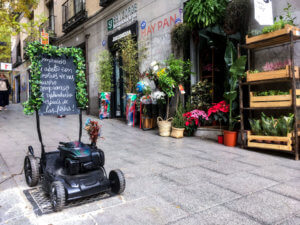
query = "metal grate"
{"x": 41, "y": 203}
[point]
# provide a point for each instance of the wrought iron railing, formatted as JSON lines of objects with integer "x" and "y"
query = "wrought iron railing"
{"x": 73, "y": 13}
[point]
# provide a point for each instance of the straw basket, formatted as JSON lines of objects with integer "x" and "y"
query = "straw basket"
{"x": 164, "y": 126}
{"x": 177, "y": 132}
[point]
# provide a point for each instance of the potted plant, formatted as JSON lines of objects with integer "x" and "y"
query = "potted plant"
{"x": 131, "y": 57}
{"x": 105, "y": 71}
{"x": 178, "y": 123}
{"x": 200, "y": 95}
{"x": 192, "y": 120}
{"x": 166, "y": 84}
{"x": 218, "y": 112}
{"x": 235, "y": 73}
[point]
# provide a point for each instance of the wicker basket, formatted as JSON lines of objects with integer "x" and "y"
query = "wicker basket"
{"x": 177, "y": 132}
{"x": 164, "y": 126}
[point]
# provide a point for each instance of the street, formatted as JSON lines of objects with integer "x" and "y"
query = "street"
{"x": 168, "y": 181}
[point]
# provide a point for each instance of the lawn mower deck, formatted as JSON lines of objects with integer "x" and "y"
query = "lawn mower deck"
{"x": 76, "y": 186}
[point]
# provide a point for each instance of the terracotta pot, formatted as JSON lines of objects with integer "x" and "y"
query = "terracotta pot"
{"x": 230, "y": 138}
{"x": 177, "y": 132}
{"x": 221, "y": 139}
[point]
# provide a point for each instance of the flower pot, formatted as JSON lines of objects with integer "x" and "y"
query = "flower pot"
{"x": 164, "y": 126}
{"x": 230, "y": 138}
{"x": 131, "y": 108}
{"x": 177, "y": 132}
{"x": 147, "y": 123}
{"x": 221, "y": 139}
{"x": 104, "y": 111}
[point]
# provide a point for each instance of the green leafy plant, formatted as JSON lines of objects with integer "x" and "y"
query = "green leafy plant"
{"x": 255, "y": 126}
{"x": 131, "y": 57}
{"x": 281, "y": 21}
{"x": 204, "y": 13}
{"x": 180, "y": 34}
{"x": 253, "y": 71}
{"x": 200, "y": 95}
{"x": 269, "y": 126}
{"x": 270, "y": 93}
{"x": 34, "y": 51}
{"x": 236, "y": 72}
{"x": 105, "y": 71}
{"x": 166, "y": 84}
{"x": 179, "y": 121}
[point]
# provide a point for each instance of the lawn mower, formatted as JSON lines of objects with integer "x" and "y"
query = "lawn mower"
{"x": 75, "y": 170}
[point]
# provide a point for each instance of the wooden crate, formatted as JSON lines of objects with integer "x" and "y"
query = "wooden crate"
{"x": 284, "y": 73}
{"x": 263, "y": 37}
{"x": 287, "y": 146}
{"x": 270, "y": 101}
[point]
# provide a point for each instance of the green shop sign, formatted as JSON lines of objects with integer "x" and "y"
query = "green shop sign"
{"x": 110, "y": 24}
{"x": 126, "y": 15}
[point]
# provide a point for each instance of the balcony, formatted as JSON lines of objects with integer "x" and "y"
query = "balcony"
{"x": 74, "y": 13}
{"x": 104, "y": 3}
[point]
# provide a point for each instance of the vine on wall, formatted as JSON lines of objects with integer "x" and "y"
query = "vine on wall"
{"x": 35, "y": 51}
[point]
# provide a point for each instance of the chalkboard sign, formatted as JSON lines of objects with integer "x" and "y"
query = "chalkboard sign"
{"x": 58, "y": 86}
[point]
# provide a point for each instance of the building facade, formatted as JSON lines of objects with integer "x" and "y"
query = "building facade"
{"x": 95, "y": 25}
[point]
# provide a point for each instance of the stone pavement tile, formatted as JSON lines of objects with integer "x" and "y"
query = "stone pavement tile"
{"x": 141, "y": 211}
{"x": 259, "y": 159}
{"x": 190, "y": 175}
{"x": 218, "y": 215}
{"x": 265, "y": 206}
{"x": 243, "y": 183}
{"x": 84, "y": 219}
{"x": 139, "y": 187}
{"x": 198, "y": 196}
{"x": 290, "y": 189}
{"x": 226, "y": 168}
{"x": 293, "y": 164}
{"x": 276, "y": 173}
{"x": 294, "y": 220}
{"x": 21, "y": 220}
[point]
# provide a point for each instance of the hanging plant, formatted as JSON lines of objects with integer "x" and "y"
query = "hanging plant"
{"x": 180, "y": 35}
{"x": 105, "y": 71}
{"x": 236, "y": 16}
{"x": 34, "y": 51}
{"x": 204, "y": 13}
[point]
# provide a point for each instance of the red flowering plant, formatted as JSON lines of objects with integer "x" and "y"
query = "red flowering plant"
{"x": 218, "y": 112}
{"x": 193, "y": 120}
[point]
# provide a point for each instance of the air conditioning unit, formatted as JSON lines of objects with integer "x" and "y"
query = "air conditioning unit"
{"x": 104, "y": 3}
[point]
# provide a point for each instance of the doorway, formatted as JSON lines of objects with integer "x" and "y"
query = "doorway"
{"x": 118, "y": 99}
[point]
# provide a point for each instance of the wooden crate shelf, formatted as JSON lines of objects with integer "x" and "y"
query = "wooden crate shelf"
{"x": 277, "y": 74}
{"x": 285, "y": 145}
{"x": 273, "y": 38}
{"x": 273, "y": 101}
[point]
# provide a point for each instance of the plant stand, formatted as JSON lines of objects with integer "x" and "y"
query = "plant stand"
{"x": 277, "y": 74}
{"x": 284, "y": 104}
{"x": 285, "y": 142}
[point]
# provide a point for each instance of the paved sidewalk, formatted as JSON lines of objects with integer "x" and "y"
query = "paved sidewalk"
{"x": 169, "y": 181}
